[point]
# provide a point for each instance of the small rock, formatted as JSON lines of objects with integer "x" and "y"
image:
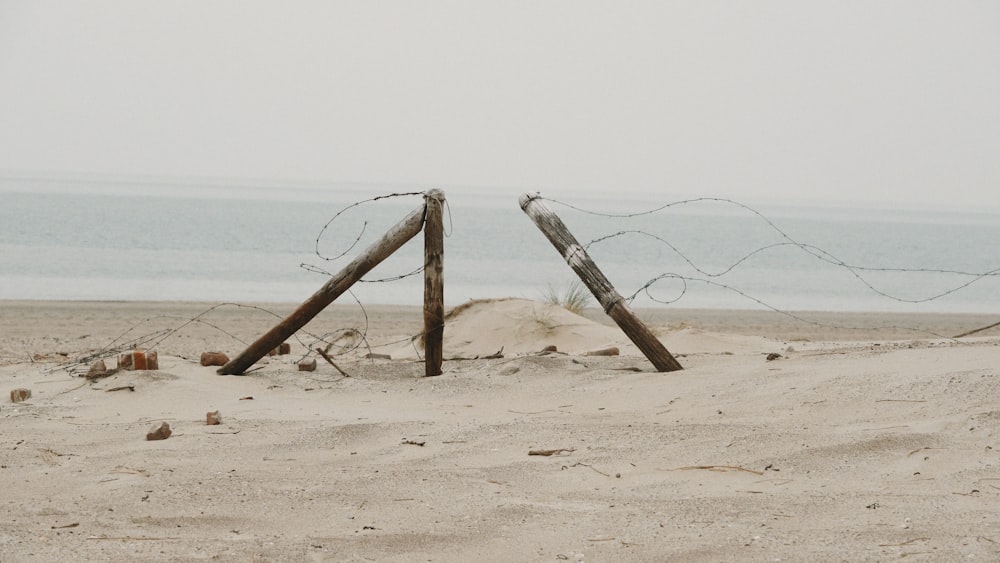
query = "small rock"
{"x": 773, "y": 356}
{"x": 308, "y": 364}
{"x": 214, "y": 359}
{"x": 159, "y": 431}
{"x": 97, "y": 369}
{"x": 550, "y": 348}
{"x": 611, "y": 351}
{"x": 375, "y": 356}
{"x": 213, "y": 418}
{"x": 19, "y": 395}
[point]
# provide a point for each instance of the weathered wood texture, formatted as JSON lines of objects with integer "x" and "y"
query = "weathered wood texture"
{"x": 434, "y": 283}
{"x": 595, "y": 280}
{"x": 393, "y": 239}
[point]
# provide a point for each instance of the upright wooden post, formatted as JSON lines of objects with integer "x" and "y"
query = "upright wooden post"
{"x": 390, "y": 242}
{"x": 433, "y": 283}
{"x": 581, "y": 263}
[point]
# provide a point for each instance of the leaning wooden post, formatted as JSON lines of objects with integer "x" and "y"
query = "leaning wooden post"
{"x": 433, "y": 283}
{"x": 614, "y": 304}
{"x": 331, "y": 290}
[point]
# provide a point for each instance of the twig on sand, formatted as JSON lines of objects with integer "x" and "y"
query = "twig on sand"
{"x": 121, "y": 388}
{"x": 330, "y": 361}
{"x": 918, "y": 450}
{"x": 494, "y": 356}
{"x": 974, "y": 331}
{"x": 551, "y": 452}
{"x": 908, "y": 542}
{"x": 717, "y": 468}
{"x": 581, "y": 464}
{"x": 71, "y": 389}
{"x": 129, "y": 538}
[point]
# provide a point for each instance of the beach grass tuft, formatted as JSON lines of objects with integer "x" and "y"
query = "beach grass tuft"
{"x": 573, "y": 297}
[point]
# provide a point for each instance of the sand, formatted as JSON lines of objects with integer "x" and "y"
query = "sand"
{"x": 868, "y": 444}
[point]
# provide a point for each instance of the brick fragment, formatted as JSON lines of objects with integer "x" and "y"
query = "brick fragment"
{"x": 138, "y": 360}
{"x": 610, "y": 351}
{"x": 308, "y": 364}
{"x": 20, "y": 394}
{"x": 281, "y": 350}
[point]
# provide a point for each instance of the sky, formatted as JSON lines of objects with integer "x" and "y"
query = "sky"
{"x": 847, "y": 102}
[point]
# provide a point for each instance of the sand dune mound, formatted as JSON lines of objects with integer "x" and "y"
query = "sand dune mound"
{"x": 483, "y": 327}
{"x": 520, "y": 326}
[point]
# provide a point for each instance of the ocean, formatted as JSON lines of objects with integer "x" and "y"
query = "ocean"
{"x": 125, "y": 241}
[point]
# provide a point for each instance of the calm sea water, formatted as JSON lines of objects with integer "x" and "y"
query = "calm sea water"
{"x": 215, "y": 243}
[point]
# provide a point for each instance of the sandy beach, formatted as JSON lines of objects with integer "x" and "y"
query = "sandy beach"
{"x": 823, "y": 437}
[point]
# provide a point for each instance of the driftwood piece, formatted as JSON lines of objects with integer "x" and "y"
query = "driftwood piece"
{"x": 393, "y": 239}
{"x": 433, "y": 283}
{"x": 598, "y": 284}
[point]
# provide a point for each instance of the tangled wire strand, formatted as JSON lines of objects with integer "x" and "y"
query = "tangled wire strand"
{"x": 812, "y": 250}
{"x": 709, "y": 277}
{"x": 357, "y": 239}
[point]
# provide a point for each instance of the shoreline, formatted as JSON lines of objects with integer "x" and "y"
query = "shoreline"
{"x": 790, "y": 325}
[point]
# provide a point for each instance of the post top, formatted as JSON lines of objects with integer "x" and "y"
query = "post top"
{"x": 528, "y": 197}
{"x": 435, "y": 193}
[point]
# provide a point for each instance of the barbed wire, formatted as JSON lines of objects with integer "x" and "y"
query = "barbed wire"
{"x": 357, "y": 239}
{"x": 816, "y": 252}
{"x": 359, "y": 335}
{"x": 824, "y": 256}
{"x": 123, "y": 342}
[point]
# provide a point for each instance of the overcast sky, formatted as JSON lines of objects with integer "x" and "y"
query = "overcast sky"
{"x": 840, "y": 101}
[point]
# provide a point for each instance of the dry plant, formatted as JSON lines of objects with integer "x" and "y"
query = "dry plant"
{"x": 574, "y": 297}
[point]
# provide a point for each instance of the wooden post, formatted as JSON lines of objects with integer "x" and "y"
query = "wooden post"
{"x": 390, "y": 242}
{"x": 433, "y": 283}
{"x": 581, "y": 263}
